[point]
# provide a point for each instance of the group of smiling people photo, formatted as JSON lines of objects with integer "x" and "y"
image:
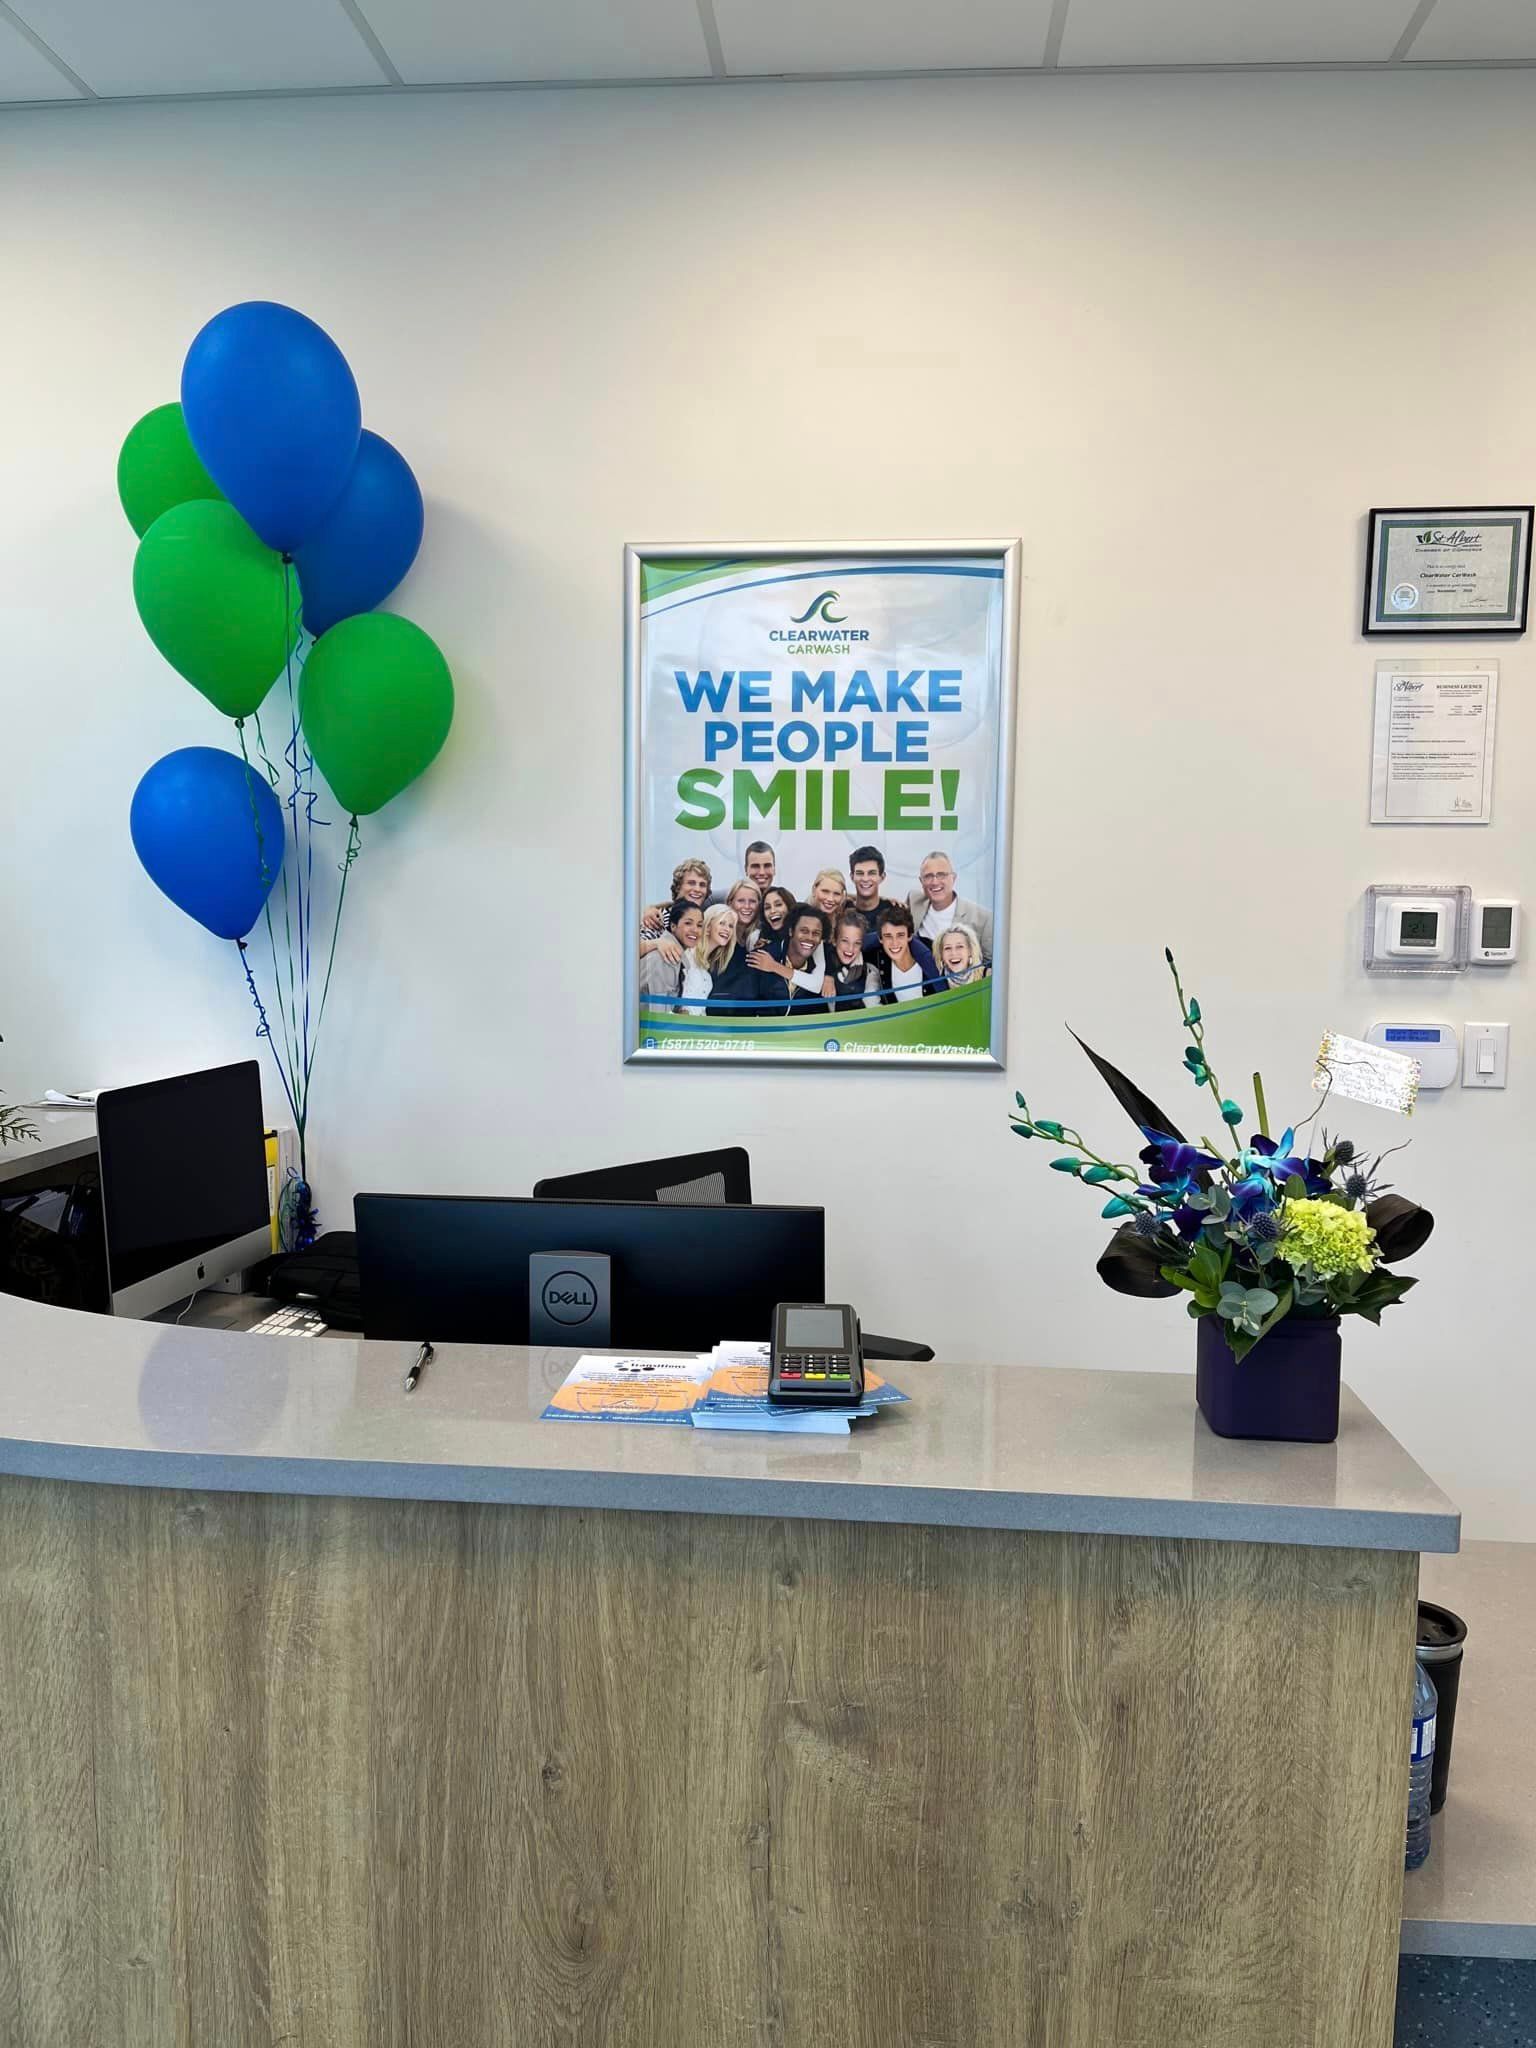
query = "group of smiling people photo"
{"x": 756, "y": 949}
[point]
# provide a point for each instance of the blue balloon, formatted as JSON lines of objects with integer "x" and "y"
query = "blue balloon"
{"x": 273, "y": 412}
{"x": 367, "y": 541}
{"x": 210, "y": 834}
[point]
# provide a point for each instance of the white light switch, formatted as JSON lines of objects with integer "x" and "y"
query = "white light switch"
{"x": 1485, "y": 1055}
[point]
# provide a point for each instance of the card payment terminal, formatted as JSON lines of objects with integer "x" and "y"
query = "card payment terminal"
{"x": 816, "y": 1361}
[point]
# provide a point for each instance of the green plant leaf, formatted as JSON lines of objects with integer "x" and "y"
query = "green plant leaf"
{"x": 1382, "y": 1290}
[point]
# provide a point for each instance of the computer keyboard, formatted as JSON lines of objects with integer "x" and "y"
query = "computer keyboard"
{"x": 290, "y": 1321}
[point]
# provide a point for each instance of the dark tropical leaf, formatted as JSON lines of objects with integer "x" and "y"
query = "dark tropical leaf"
{"x": 1401, "y": 1226}
{"x": 1130, "y": 1265}
{"x": 1140, "y": 1108}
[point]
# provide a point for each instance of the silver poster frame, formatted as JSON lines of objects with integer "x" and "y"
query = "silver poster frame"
{"x": 1007, "y": 553}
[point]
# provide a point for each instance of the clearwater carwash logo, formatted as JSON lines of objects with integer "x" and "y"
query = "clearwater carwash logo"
{"x": 819, "y": 608}
{"x": 1448, "y": 537}
{"x": 819, "y": 629}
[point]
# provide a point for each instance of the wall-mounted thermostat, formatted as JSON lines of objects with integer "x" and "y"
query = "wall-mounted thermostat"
{"x": 1420, "y": 929}
{"x": 1434, "y": 1046}
{"x": 1417, "y": 929}
{"x": 1495, "y": 931}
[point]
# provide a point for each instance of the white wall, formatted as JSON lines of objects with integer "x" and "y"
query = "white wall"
{"x": 1178, "y": 334}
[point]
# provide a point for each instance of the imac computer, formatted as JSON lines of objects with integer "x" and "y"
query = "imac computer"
{"x": 184, "y": 1192}
{"x": 679, "y": 1276}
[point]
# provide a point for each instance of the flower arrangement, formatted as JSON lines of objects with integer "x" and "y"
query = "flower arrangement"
{"x": 1251, "y": 1232}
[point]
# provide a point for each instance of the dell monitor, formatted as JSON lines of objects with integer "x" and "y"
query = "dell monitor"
{"x": 184, "y": 1192}
{"x": 683, "y": 1276}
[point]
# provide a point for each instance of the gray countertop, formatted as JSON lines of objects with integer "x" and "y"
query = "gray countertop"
{"x": 979, "y": 1446}
{"x": 1476, "y": 1896}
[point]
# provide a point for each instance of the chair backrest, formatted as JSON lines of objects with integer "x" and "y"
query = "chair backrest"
{"x": 724, "y": 1177}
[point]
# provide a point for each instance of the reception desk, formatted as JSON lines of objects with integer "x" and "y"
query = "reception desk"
{"x": 1032, "y": 1713}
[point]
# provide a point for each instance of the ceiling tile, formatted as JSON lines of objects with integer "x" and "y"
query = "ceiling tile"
{"x": 26, "y": 74}
{"x": 1233, "y": 31}
{"x": 771, "y": 36}
{"x": 1476, "y": 28}
{"x": 170, "y": 46}
{"x": 452, "y": 42}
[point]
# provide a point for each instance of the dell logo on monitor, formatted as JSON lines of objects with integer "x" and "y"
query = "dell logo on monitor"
{"x": 569, "y": 1297}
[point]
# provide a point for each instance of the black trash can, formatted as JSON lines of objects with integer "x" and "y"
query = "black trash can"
{"x": 1441, "y": 1636}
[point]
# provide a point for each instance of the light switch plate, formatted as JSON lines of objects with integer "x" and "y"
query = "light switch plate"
{"x": 1484, "y": 1055}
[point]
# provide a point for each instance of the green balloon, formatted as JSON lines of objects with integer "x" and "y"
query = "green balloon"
{"x": 222, "y": 608}
{"x": 158, "y": 468}
{"x": 376, "y": 703}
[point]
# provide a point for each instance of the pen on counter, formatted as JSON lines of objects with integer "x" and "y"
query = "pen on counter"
{"x": 418, "y": 1364}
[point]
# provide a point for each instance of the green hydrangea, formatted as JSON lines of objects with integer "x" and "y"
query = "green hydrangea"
{"x": 1327, "y": 1238}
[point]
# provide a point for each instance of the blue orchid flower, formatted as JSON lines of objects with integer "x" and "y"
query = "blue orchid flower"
{"x": 1172, "y": 1166}
{"x": 1274, "y": 1157}
{"x": 1252, "y": 1196}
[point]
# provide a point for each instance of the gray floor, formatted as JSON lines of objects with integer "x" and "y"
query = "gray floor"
{"x": 1456, "y": 2002}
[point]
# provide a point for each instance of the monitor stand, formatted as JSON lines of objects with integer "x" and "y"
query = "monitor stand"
{"x": 570, "y": 1298}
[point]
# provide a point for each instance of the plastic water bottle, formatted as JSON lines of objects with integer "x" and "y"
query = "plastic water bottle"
{"x": 1421, "y": 1764}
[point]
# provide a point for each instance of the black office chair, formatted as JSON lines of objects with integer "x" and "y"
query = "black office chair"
{"x": 724, "y": 1177}
{"x": 717, "y": 1177}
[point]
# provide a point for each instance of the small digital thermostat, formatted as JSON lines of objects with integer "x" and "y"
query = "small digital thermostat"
{"x": 1434, "y": 1046}
{"x": 1495, "y": 931}
{"x": 1419, "y": 928}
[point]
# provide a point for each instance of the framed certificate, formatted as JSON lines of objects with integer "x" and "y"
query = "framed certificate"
{"x": 1448, "y": 569}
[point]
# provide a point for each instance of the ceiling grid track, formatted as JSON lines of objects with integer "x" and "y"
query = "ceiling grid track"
{"x": 712, "y": 42}
{"x": 1409, "y": 36}
{"x": 376, "y": 49}
{"x": 1054, "y": 34}
{"x": 30, "y": 35}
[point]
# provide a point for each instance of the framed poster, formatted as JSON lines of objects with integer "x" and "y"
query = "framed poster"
{"x": 818, "y": 760}
{"x": 1450, "y": 569}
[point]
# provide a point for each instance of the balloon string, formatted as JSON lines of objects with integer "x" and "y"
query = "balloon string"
{"x": 261, "y": 744}
{"x": 297, "y": 969}
{"x": 266, "y": 908}
{"x": 354, "y": 848}
{"x": 264, "y": 1030}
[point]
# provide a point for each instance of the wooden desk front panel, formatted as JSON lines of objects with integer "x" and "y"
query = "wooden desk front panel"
{"x": 372, "y": 1774}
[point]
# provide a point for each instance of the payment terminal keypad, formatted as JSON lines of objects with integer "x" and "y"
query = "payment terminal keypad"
{"x": 827, "y": 1369}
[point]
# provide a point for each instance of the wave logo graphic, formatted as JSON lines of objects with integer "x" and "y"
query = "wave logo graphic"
{"x": 817, "y": 609}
